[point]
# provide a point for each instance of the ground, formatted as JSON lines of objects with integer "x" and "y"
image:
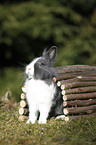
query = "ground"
{"x": 74, "y": 132}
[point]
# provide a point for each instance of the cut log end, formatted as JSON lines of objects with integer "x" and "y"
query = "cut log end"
{"x": 79, "y": 77}
{"x": 65, "y": 103}
{"x": 23, "y": 89}
{"x": 63, "y": 92}
{"x": 23, "y": 96}
{"x": 58, "y": 83}
{"x": 54, "y": 79}
{"x": 22, "y": 103}
{"x": 21, "y": 111}
{"x": 62, "y": 87}
{"x": 64, "y": 97}
{"x": 22, "y": 118}
{"x": 65, "y": 111}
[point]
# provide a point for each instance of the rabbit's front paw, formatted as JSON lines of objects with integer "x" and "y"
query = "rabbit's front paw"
{"x": 30, "y": 121}
{"x": 42, "y": 121}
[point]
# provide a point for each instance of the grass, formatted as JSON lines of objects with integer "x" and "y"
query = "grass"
{"x": 75, "y": 132}
{"x": 54, "y": 132}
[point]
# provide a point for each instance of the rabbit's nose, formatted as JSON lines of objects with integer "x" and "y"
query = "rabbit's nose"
{"x": 29, "y": 68}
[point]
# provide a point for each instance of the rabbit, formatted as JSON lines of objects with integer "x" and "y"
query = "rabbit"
{"x": 43, "y": 96}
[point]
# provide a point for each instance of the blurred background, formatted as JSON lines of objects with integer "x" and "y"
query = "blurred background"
{"x": 28, "y": 26}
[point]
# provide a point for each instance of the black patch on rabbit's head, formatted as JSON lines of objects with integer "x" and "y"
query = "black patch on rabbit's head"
{"x": 43, "y": 67}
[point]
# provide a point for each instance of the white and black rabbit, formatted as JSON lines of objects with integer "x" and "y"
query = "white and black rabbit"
{"x": 43, "y": 97}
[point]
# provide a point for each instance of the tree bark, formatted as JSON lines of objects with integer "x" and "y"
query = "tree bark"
{"x": 75, "y": 68}
{"x": 79, "y": 96}
{"x": 77, "y": 110}
{"x": 72, "y": 76}
{"x": 77, "y": 79}
{"x": 79, "y": 90}
{"x": 79, "y": 103}
{"x": 77, "y": 84}
{"x": 79, "y": 116}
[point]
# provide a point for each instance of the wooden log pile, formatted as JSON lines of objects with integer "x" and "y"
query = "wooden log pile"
{"x": 23, "y": 110}
{"x": 78, "y": 89}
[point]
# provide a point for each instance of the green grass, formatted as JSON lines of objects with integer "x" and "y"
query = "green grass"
{"x": 55, "y": 132}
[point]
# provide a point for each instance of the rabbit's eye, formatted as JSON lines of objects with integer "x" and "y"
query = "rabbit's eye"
{"x": 42, "y": 64}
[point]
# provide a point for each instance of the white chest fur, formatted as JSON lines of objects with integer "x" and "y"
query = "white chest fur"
{"x": 37, "y": 91}
{"x": 39, "y": 96}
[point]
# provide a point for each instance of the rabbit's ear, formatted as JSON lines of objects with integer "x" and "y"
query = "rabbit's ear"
{"x": 53, "y": 52}
{"x": 50, "y": 55}
{"x": 45, "y": 52}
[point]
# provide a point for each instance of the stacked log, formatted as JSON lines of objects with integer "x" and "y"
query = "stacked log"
{"x": 78, "y": 89}
{"x": 23, "y": 110}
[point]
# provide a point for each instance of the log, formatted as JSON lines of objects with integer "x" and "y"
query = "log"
{"x": 22, "y": 103}
{"x": 77, "y": 110}
{"x": 82, "y": 80}
{"x": 77, "y": 84}
{"x": 74, "y": 74}
{"x": 68, "y": 118}
{"x": 77, "y": 79}
{"x": 75, "y": 68}
{"x": 23, "y": 111}
{"x": 79, "y": 96}
{"x": 23, "y": 96}
{"x": 79, "y": 90}
{"x": 65, "y": 77}
{"x": 65, "y": 103}
{"x": 79, "y": 102}
{"x": 65, "y": 98}
{"x": 23, "y": 89}
{"x": 54, "y": 79}
{"x": 22, "y": 118}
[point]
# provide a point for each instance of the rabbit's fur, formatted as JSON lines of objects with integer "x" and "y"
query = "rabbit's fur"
{"x": 41, "y": 92}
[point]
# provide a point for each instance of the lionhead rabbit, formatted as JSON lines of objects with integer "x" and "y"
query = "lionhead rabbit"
{"x": 42, "y": 95}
